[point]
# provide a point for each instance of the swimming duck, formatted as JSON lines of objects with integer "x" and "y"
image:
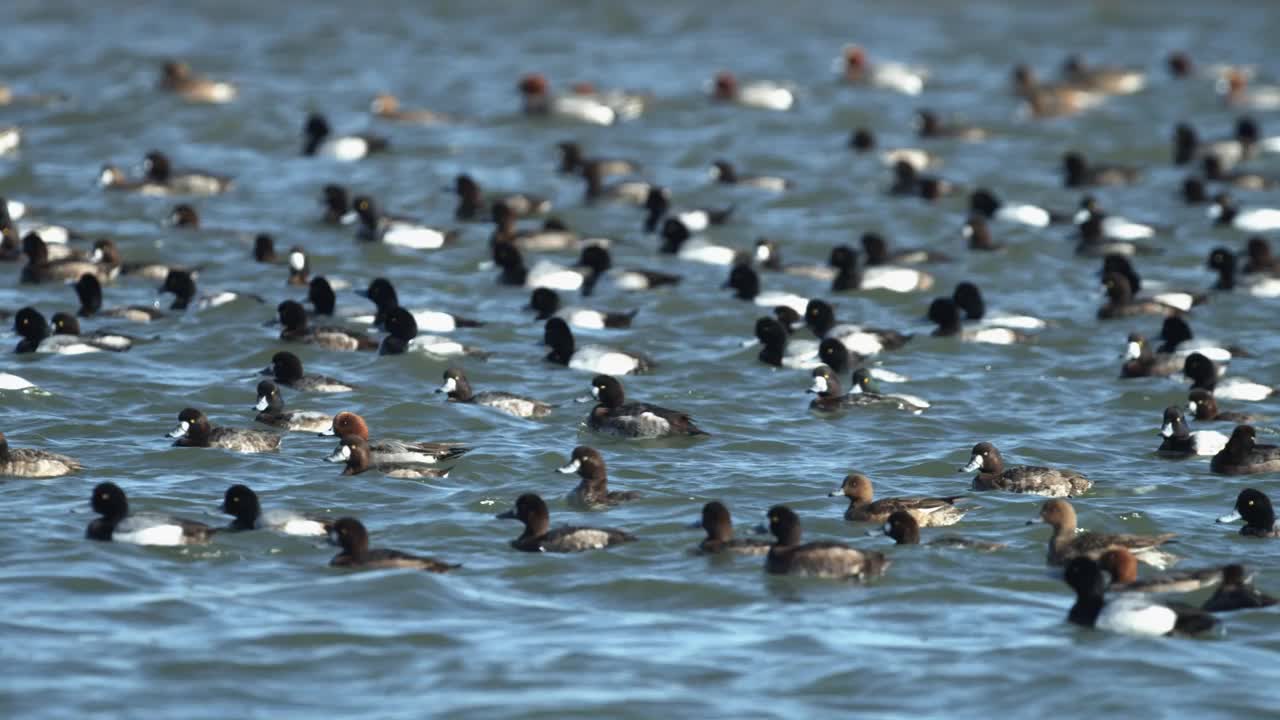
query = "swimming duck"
{"x": 387, "y": 106}
{"x": 394, "y": 451}
{"x": 157, "y": 170}
{"x": 351, "y": 535}
{"x": 592, "y": 358}
{"x": 856, "y": 69}
{"x": 118, "y": 525}
{"x": 903, "y": 528}
{"x": 318, "y": 140}
{"x": 67, "y": 325}
{"x": 1179, "y": 441}
{"x": 194, "y": 430}
{"x": 296, "y": 329}
{"x": 178, "y": 78}
{"x": 895, "y": 279}
{"x": 398, "y": 232}
{"x": 823, "y": 559}
{"x": 1030, "y": 479}
{"x": 1237, "y": 593}
{"x": 1066, "y": 543}
{"x": 1122, "y": 566}
{"x": 759, "y": 94}
{"x": 1204, "y": 407}
{"x": 877, "y": 251}
{"x": 593, "y": 491}
{"x": 598, "y": 262}
{"x": 745, "y": 283}
{"x": 546, "y": 303}
{"x": 927, "y": 511}
{"x": 946, "y": 314}
{"x": 243, "y": 504}
{"x": 286, "y": 369}
{"x": 1242, "y": 455}
{"x": 614, "y": 416}
{"x": 573, "y": 161}
{"x": 33, "y": 463}
{"x": 723, "y": 172}
{"x": 1254, "y": 507}
{"x": 1109, "y": 80}
{"x": 458, "y": 389}
{"x": 1129, "y": 614}
{"x": 1204, "y": 374}
{"x": 402, "y": 336}
{"x": 539, "y": 537}
{"x": 354, "y": 452}
{"x": 270, "y": 407}
{"x": 719, "y": 526}
{"x": 1078, "y": 172}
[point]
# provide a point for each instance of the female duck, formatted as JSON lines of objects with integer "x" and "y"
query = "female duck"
{"x": 394, "y": 451}
{"x": 194, "y": 430}
{"x": 270, "y": 407}
{"x": 928, "y": 511}
{"x": 32, "y": 463}
{"x": 458, "y": 389}
{"x": 1066, "y": 543}
{"x": 354, "y": 451}
{"x": 719, "y": 527}
{"x": 1030, "y": 479}
{"x": 350, "y": 534}
{"x": 593, "y": 490}
{"x": 296, "y": 329}
{"x": 903, "y": 528}
{"x": 614, "y": 416}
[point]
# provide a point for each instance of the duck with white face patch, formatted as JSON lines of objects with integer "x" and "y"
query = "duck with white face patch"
{"x": 614, "y": 416}
{"x": 593, "y": 492}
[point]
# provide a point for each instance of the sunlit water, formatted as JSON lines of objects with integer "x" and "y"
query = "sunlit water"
{"x": 257, "y": 625}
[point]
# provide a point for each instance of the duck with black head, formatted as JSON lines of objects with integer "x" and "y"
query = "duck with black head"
{"x": 1030, "y": 479}
{"x": 1254, "y": 507}
{"x": 117, "y": 524}
{"x": 613, "y": 415}
{"x": 538, "y": 536}
{"x": 1129, "y": 614}
{"x": 194, "y": 430}
{"x": 351, "y": 535}
{"x": 589, "y": 358}
{"x": 319, "y": 140}
{"x": 718, "y": 525}
{"x": 458, "y": 390}
{"x": 1205, "y": 374}
{"x": 903, "y": 527}
{"x": 1243, "y": 455}
{"x": 823, "y": 559}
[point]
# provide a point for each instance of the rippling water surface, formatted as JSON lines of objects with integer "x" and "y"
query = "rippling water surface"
{"x": 257, "y": 625}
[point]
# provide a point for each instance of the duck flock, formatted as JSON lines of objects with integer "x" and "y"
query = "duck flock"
{"x": 566, "y": 278}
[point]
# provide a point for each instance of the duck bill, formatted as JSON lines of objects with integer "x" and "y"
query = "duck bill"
{"x": 1233, "y": 516}
{"x": 449, "y": 386}
{"x": 1037, "y": 520}
{"x": 975, "y": 463}
{"x": 570, "y": 468}
{"x": 819, "y": 386}
{"x": 1166, "y": 430}
{"x": 508, "y": 515}
{"x": 327, "y": 433}
{"x": 262, "y": 404}
{"x": 180, "y": 430}
{"x": 835, "y": 493}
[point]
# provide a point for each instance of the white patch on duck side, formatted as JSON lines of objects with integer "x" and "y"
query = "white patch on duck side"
{"x": 603, "y": 360}
{"x": 1240, "y": 389}
{"x": 775, "y": 298}
{"x": 302, "y": 526}
{"x": 1136, "y": 616}
{"x": 554, "y": 276}
{"x": 582, "y": 318}
{"x": 413, "y": 237}
{"x": 9, "y": 381}
{"x": 347, "y": 148}
{"x": 584, "y": 109}
{"x": 1029, "y": 215}
{"x": 1208, "y": 442}
{"x": 895, "y": 279}
{"x": 437, "y": 345}
{"x": 766, "y": 96}
{"x": 434, "y": 321}
{"x": 993, "y": 336}
{"x": 168, "y": 534}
